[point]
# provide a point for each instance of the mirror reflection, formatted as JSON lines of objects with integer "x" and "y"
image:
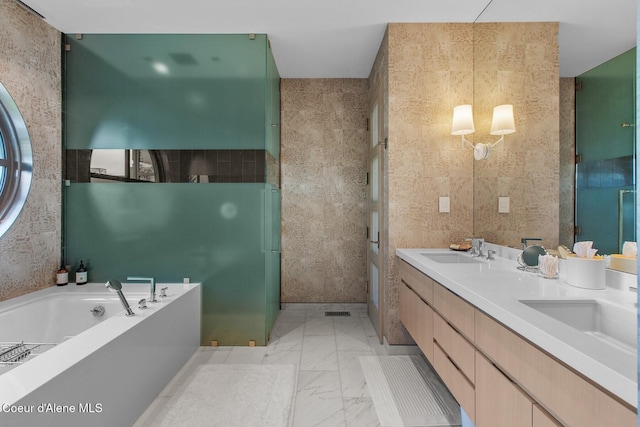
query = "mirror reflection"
{"x": 579, "y": 186}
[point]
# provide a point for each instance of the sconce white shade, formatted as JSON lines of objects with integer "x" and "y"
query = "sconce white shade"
{"x": 502, "y": 122}
{"x": 462, "y": 120}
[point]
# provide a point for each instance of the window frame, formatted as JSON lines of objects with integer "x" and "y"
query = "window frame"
{"x": 17, "y": 161}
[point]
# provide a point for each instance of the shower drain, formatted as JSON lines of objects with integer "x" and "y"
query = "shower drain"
{"x": 337, "y": 314}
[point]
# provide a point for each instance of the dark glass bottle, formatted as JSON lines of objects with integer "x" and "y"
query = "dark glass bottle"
{"x": 81, "y": 274}
{"x": 62, "y": 276}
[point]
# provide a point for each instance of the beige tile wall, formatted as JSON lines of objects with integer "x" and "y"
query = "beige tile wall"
{"x": 567, "y": 159}
{"x": 430, "y": 70}
{"x": 30, "y": 70}
{"x": 517, "y": 63}
{"x": 323, "y": 167}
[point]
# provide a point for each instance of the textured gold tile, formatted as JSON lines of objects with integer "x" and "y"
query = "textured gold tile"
{"x": 30, "y": 70}
{"x": 323, "y": 156}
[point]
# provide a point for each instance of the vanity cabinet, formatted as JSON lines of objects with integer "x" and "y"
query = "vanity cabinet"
{"x": 497, "y": 376}
{"x": 416, "y": 314}
{"x": 500, "y": 402}
{"x": 454, "y": 353}
{"x": 572, "y": 398}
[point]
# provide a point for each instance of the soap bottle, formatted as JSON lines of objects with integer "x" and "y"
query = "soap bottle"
{"x": 62, "y": 276}
{"x": 81, "y": 275}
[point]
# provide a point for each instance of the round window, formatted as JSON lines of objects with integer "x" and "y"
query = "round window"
{"x": 16, "y": 161}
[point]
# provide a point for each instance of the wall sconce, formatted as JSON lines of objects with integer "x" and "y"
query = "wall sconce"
{"x": 502, "y": 124}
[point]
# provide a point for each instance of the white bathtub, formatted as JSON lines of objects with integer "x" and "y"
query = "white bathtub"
{"x": 98, "y": 371}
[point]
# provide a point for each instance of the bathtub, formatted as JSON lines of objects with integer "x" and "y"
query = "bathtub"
{"x": 89, "y": 370}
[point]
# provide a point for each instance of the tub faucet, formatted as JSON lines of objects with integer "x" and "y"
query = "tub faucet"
{"x": 117, "y": 286}
{"x": 152, "y": 282}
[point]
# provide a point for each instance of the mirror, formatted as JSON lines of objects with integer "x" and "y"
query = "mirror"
{"x": 517, "y": 63}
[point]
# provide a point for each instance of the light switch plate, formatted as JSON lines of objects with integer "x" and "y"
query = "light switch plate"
{"x": 444, "y": 205}
{"x": 503, "y": 205}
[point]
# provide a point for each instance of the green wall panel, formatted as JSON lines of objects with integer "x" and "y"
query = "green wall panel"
{"x": 179, "y": 92}
{"x": 214, "y": 234}
{"x": 211, "y": 96}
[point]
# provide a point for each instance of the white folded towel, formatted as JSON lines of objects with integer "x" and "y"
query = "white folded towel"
{"x": 630, "y": 249}
{"x": 584, "y": 249}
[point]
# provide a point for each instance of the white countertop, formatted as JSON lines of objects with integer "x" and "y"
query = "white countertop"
{"x": 495, "y": 287}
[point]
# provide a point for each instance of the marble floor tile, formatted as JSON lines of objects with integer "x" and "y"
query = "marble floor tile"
{"x": 286, "y": 339}
{"x": 353, "y": 383}
{"x": 318, "y": 400}
{"x": 283, "y": 357}
{"x": 352, "y": 342}
{"x": 319, "y": 326}
{"x": 319, "y": 353}
{"x": 360, "y": 412}
{"x": 331, "y": 390}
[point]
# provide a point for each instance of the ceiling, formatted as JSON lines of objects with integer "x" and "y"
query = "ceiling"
{"x": 338, "y": 39}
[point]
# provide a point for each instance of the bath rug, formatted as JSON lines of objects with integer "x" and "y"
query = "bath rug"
{"x": 407, "y": 392}
{"x": 234, "y": 395}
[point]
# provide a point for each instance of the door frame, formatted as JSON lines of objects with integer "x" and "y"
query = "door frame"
{"x": 376, "y": 314}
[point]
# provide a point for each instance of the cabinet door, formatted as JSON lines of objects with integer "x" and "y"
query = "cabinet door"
{"x": 455, "y": 381}
{"x": 417, "y": 318}
{"x": 424, "y": 328}
{"x": 574, "y": 400}
{"x": 499, "y": 402}
{"x": 542, "y": 419}
{"x": 458, "y": 349}
{"x": 458, "y": 312}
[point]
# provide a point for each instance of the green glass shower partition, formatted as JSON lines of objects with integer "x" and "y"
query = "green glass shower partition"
{"x": 187, "y": 95}
{"x": 606, "y": 144}
{"x": 214, "y": 234}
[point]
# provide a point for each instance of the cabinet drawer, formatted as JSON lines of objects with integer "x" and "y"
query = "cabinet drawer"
{"x": 417, "y": 318}
{"x": 455, "y": 346}
{"x": 455, "y": 310}
{"x": 455, "y": 381}
{"x": 574, "y": 400}
{"x": 418, "y": 281}
{"x": 542, "y": 419}
{"x": 500, "y": 403}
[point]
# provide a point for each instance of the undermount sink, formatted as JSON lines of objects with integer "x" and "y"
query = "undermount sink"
{"x": 610, "y": 324}
{"x": 450, "y": 258}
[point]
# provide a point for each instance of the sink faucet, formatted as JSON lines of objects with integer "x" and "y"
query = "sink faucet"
{"x": 524, "y": 241}
{"x": 476, "y": 246}
{"x": 152, "y": 282}
{"x": 117, "y": 286}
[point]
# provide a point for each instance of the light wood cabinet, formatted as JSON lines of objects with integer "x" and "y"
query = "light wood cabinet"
{"x": 418, "y": 281}
{"x": 571, "y": 398}
{"x": 456, "y": 382}
{"x": 497, "y": 376}
{"x": 417, "y": 317}
{"x": 456, "y": 347}
{"x": 542, "y": 419}
{"x": 499, "y": 402}
{"x": 455, "y": 310}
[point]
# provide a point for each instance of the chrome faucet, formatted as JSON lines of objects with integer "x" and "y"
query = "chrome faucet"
{"x": 152, "y": 282}
{"x": 476, "y": 246}
{"x": 525, "y": 241}
{"x": 117, "y": 286}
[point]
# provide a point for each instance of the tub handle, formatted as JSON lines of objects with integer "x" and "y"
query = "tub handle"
{"x": 142, "y": 304}
{"x": 163, "y": 292}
